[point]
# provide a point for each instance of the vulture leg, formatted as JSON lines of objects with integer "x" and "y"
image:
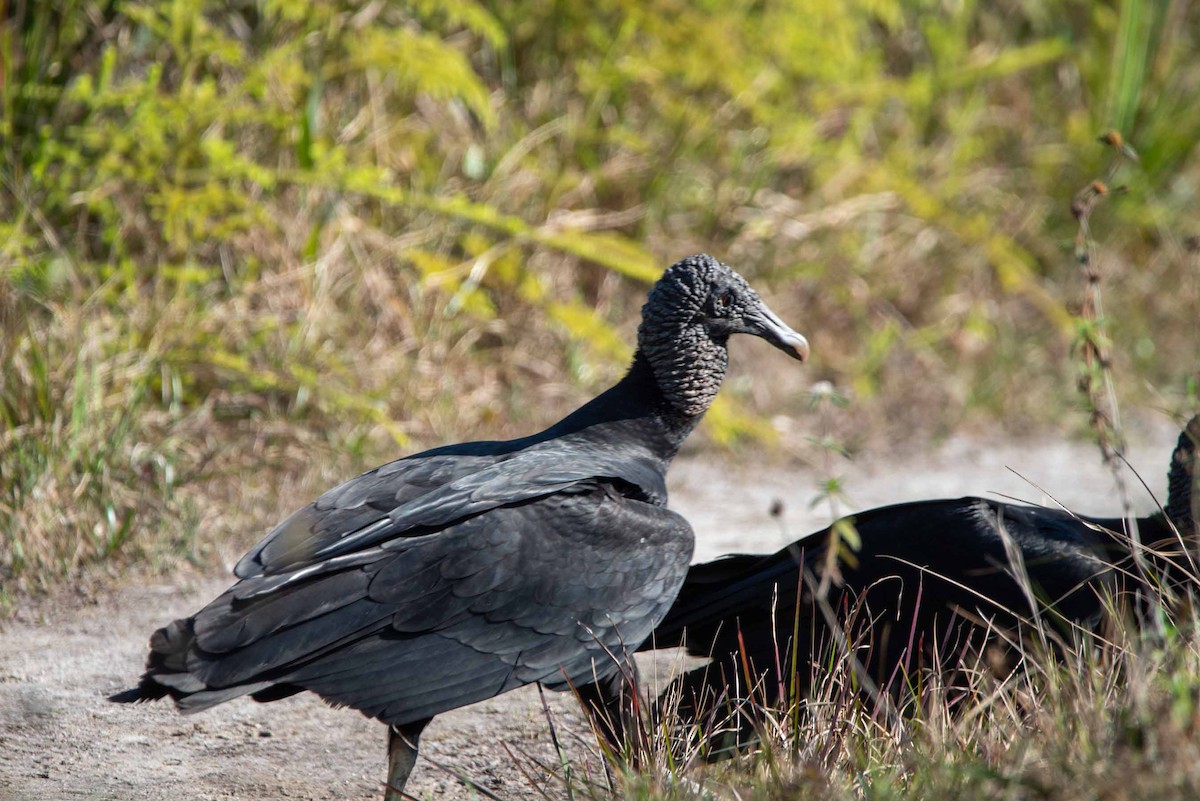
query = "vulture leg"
{"x": 402, "y": 756}
{"x": 612, "y": 705}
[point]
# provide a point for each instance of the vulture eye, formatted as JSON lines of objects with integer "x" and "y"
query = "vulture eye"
{"x": 722, "y": 300}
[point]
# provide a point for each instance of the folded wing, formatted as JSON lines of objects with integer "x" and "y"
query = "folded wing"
{"x": 554, "y": 588}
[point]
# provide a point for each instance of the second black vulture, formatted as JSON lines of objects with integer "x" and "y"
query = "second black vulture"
{"x": 460, "y": 573}
{"x": 933, "y": 580}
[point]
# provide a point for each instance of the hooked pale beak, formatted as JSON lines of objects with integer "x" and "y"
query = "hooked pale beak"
{"x": 763, "y": 323}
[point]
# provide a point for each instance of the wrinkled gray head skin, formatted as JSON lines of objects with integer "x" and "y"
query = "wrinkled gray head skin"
{"x": 686, "y": 323}
{"x": 1183, "y": 485}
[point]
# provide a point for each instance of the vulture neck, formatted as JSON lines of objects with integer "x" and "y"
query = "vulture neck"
{"x": 637, "y": 412}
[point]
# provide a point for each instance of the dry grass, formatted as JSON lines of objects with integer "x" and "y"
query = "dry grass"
{"x": 153, "y": 430}
{"x": 253, "y": 258}
{"x": 268, "y": 243}
{"x": 1112, "y": 716}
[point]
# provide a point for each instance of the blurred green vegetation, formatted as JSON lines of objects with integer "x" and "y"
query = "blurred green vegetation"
{"x": 437, "y": 220}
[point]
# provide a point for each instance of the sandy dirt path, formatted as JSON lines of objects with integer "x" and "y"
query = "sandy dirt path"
{"x": 60, "y": 657}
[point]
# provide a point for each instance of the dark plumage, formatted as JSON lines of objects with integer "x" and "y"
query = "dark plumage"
{"x": 938, "y": 573}
{"x": 456, "y": 574}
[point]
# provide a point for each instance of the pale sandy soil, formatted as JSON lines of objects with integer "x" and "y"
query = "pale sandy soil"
{"x": 60, "y": 657}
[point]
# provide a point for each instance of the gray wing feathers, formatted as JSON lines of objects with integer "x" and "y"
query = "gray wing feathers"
{"x": 406, "y": 497}
{"x": 543, "y": 591}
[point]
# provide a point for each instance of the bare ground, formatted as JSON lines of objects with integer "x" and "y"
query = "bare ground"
{"x": 61, "y": 656}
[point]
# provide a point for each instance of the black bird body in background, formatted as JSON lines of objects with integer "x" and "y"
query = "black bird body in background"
{"x": 460, "y": 573}
{"x": 932, "y": 581}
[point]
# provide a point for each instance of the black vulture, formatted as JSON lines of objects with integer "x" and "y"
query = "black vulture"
{"x": 457, "y": 574}
{"x": 932, "y": 580}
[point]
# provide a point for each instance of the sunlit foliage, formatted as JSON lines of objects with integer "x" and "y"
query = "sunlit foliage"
{"x": 418, "y": 218}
